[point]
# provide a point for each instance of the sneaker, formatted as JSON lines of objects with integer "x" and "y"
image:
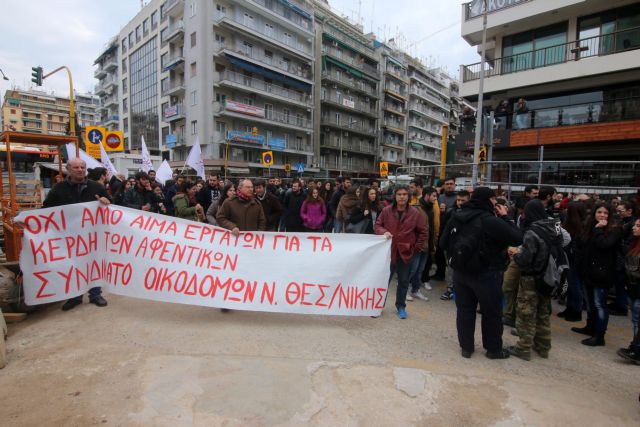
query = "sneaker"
{"x": 409, "y": 297}
{"x": 98, "y": 300}
{"x": 515, "y": 351}
{"x": 501, "y": 354}
{"x": 447, "y": 296}
{"x": 584, "y": 331}
{"x": 402, "y": 313}
{"x": 630, "y": 354}
{"x": 419, "y": 295}
{"x": 427, "y": 286}
{"x": 595, "y": 341}
{"x": 71, "y": 303}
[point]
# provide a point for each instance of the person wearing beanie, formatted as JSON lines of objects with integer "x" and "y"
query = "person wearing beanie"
{"x": 476, "y": 241}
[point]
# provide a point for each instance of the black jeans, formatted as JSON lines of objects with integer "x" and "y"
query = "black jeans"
{"x": 484, "y": 288}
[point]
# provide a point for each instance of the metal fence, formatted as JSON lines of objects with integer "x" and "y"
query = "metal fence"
{"x": 602, "y": 177}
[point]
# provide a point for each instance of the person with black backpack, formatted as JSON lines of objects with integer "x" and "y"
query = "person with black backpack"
{"x": 476, "y": 241}
{"x": 543, "y": 238}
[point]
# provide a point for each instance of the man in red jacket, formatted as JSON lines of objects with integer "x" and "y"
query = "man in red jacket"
{"x": 407, "y": 228}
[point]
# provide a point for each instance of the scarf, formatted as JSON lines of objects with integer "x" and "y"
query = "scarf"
{"x": 244, "y": 198}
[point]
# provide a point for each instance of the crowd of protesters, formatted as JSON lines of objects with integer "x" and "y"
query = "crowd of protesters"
{"x": 492, "y": 253}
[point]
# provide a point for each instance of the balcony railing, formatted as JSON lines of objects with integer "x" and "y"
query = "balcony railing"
{"x": 263, "y": 86}
{"x": 290, "y": 118}
{"x": 356, "y": 127}
{"x": 395, "y": 108}
{"x": 422, "y": 155}
{"x": 607, "y": 44}
{"x": 474, "y": 9}
{"x": 291, "y": 43}
{"x": 287, "y": 13}
{"x": 289, "y": 67}
{"x": 572, "y": 114}
{"x": 356, "y": 63}
{"x": 355, "y": 84}
{"x": 356, "y": 45}
{"x": 355, "y": 106}
{"x": 173, "y": 30}
{"x": 428, "y": 112}
{"x": 394, "y": 124}
{"x": 423, "y": 93}
{"x": 350, "y": 146}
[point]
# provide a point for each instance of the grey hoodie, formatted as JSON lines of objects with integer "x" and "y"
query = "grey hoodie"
{"x": 534, "y": 252}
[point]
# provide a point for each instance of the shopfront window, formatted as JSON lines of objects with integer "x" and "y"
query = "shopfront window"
{"x": 534, "y": 49}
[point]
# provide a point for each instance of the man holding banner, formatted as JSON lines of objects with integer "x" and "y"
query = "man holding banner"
{"x": 242, "y": 212}
{"x": 78, "y": 189}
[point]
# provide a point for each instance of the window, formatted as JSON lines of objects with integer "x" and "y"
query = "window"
{"x": 124, "y": 85}
{"x": 131, "y": 39}
{"x": 221, "y": 9}
{"x": 145, "y": 27}
{"x": 247, "y": 48}
{"x": 193, "y": 9}
{"x": 221, "y": 127}
{"x": 268, "y": 111}
{"x": 194, "y": 97}
{"x": 154, "y": 20}
{"x": 220, "y": 39}
{"x": 125, "y": 107}
{"x": 13, "y": 111}
{"x": 194, "y": 70}
{"x": 285, "y": 115}
{"x": 193, "y": 39}
{"x": 124, "y": 65}
{"x": 536, "y": 48}
{"x": 268, "y": 30}
{"x": 288, "y": 39}
{"x": 194, "y": 127}
{"x": 163, "y": 34}
{"x": 299, "y": 119}
{"x": 596, "y": 32}
{"x": 268, "y": 57}
{"x": 247, "y": 101}
{"x": 248, "y": 20}
{"x": 124, "y": 45}
{"x": 138, "y": 33}
{"x": 125, "y": 124}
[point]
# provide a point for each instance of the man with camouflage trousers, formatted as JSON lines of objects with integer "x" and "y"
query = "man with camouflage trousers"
{"x": 533, "y": 310}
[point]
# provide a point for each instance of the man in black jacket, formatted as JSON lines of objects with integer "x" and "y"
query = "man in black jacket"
{"x": 76, "y": 188}
{"x": 483, "y": 221}
{"x": 293, "y": 201}
{"x": 141, "y": 195}
{"x": 270, "y": 204}
{"x": 210, "y": 192}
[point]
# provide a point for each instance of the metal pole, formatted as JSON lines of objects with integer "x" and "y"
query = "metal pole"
{"x": 509, "y": 193}
{"x": 540, "y": 160}
{"x": 479, "y": 112}
{"x": 72, "y": 114}
{"x": 340, "y": 172}
{"x": 489, "y": 142}
{"x": 443, "y": 152}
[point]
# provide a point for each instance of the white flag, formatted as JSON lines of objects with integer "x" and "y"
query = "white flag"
{"x": 106, "y": 162}
{"x": 195, "y": 159}
{"x": 147, "y": 165}
{"x": 164, "y": 173}
{"x": 90, "y": 161}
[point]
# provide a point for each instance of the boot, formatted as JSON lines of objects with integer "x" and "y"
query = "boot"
{"x": 573, "y": 316}
{"x": 587, "y": 330}
{"x": 595, "y": 341}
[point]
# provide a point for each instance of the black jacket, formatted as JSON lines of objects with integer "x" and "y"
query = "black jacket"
{"x": 292, "y": 205}
{"x": 498, "y": 234}
{"x": 600, "y": 254}
{"x": 335, "y": 200}
{"x": 67, "y": 193}
{"x": 136, "y": 198}
{"x": 208, "y": 195}
{"x": 272, "y": 209}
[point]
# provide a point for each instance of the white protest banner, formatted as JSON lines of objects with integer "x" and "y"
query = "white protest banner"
{"x": 195, "y": 160}
{"x": 69, "y": 249}
{"x": 106, "y": 162}
{"x": 90, "y": 161}
{"x": 164, "y": 173}
{"x": 147, "y": 164}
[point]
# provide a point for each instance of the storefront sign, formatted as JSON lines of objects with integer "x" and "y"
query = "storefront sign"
{"x": 250, "y": 110}
{"x": 277, "y": 143}
{"x": 476, "y": 8}
{"x": 248, "y": 137}
{"x": 465, "y": 141}
{"x": 171, "y": 140}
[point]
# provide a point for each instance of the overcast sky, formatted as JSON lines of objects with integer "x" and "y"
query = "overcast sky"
{"x": 73, "y": 32}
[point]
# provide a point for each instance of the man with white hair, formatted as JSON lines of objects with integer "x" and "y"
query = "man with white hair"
{"x": 76, "y": 188}
{"x": 242, "y": 212}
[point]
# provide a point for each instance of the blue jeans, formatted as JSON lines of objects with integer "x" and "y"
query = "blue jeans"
{"x": 404, "y": 271}
{"x": 416, "y": 273}
{"x": 635, "y": 321}
{"x": 337, "y": 226}
{"x": 599, "y": 312}
{"x": 575, "y": 294}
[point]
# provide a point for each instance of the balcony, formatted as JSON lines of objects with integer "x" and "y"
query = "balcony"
{"x": 259, "y": 115}
{"x": 173, "y": 113}
{"x": 111, "y": 101}
{"x": 287, "y": 68}
{"x": 355, "y": 107}
{"x": 175, "y": 32}
{"x": 421, "y": 109}
{"x": 354, "y": 44}
{"x": 99, "y": 72}
{"x": 173, "y": 63}
{"x": 394, "y": 126}
{"x": 352, "y": 83}
{"x": 356, "y": 127}
{"x": 347, "y": 145}
{"x": 348, "y": 164}
{"x": 173, "y": 87}
{"x": 397, "y": 75}
{"x": 110, "y": 64}
{"x": 113, "y": 120}
{"x": 279, "y": 40}
{"x": 359, "y": 64}
{"x": 292, "y": 16}
{"x": 584, "y": 58}
{"x": 422, "y": 125}
{"x": 397, "y": 92}
{"x": 271, "y": 90}
{"x": 394, "y": 108}
{"x": 422, "y": 155}
{"x": 173, "y": 8}
{"x": 392, "y": 142}
{"x": 424, "y": 94}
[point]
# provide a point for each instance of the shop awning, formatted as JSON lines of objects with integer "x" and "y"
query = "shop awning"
{"x": 172, "y": 65}
{"x": 416, "y": 146}
{"x": 395, "y": 61}
{"x": 296, "y": 9}
{"x": 238, "y": 171}
{"x": 245, "y": 65}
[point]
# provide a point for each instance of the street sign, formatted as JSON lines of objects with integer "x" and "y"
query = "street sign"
{"x": 300, "y": 167}
{"x": 482, "y": 154}
{"x": 113, "y": 141}
{"x": 95, "y": 136}
{"x": 287, "y": 167}
{"x": 254, "y": 131}
{"x": 384, "y": 169}
{"x": 267, "y": 158}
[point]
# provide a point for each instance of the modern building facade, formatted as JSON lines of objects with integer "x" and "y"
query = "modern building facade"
{"x": 39, "y": 112}
{"x": 576, "y": 64}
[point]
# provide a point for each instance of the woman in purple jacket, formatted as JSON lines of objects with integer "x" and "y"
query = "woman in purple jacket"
{"x": 313, "y": 212}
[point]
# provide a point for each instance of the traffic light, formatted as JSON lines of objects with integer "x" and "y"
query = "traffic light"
{"x": 36, "y": 75}
{"x": 482, "y": 155}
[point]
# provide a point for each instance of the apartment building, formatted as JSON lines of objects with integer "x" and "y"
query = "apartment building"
{"x": 576, "y": 64}
{"x": 108, "y": 74}
{"x": 39, "y": 112}
{"x": 347, "y": 96}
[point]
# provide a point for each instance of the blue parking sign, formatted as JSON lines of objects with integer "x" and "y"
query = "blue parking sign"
{"x": 300, "y": 167}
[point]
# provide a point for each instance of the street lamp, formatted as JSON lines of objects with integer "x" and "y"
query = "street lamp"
{"x": 479, "y": 111}
{"x": 349, "y": 126}
{"x": 3, "y": 76}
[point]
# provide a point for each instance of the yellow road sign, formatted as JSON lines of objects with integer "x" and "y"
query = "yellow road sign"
{"x": 94, "y": 137}
{"x": 384, "y": 169}
{"x": 287, "y": 167}
{"x": 267, "y": 158}
{"x": 113, "y": 141}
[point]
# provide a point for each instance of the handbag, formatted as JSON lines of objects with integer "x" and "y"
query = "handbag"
{"x": 359, "y": 227}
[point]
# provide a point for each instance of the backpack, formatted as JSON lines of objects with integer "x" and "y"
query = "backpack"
{"x": 466, "y": 245}
{"x": 552, "y": 277}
